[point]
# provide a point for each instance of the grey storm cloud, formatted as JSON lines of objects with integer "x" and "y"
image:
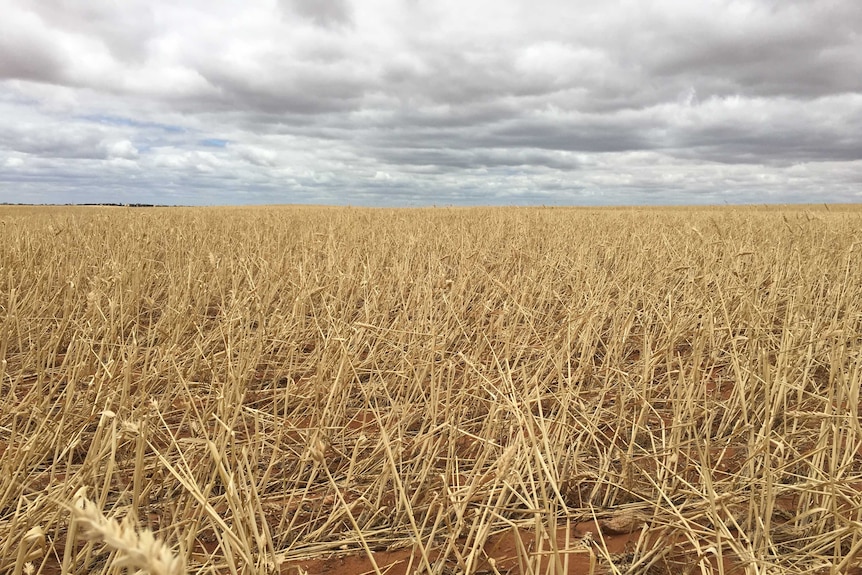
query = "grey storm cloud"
{"x": 413, "y": 102}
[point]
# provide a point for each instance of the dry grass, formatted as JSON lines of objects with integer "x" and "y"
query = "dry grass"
{"x": 469, "y": 391}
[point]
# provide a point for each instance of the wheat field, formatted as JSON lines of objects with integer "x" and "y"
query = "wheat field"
{"x": 486, "y": 390}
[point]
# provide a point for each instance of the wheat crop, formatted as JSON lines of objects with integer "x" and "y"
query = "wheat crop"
{"x": 495, "y": 390}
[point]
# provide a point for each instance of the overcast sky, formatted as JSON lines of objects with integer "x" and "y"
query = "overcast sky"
{"x": 418, "y": 102}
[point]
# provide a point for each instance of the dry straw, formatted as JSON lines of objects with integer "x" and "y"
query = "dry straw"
{"x": 437, "y": 390}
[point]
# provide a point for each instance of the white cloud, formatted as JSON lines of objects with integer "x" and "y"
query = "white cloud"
{"x": 257, "y": 156}
{"x": 122, "y": 149}
{"x": 385, "y": 101}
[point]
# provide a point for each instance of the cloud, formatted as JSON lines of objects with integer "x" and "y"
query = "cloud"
{"x": 123, "y": 149}
{"x": 257, "y": 156}
{"x": 124, "y": 28}
{"x": 27, "y": 50}
{"x": 326, "y": 13}
{"x": 762, "y": 48}
{"x": 392, "y": 102}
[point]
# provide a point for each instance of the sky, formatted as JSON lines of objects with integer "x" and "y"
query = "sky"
{"x": 431, "y": 102}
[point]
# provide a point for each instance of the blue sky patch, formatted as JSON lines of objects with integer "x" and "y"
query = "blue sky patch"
{"x": 123, "y": 121}
{"x": 214, "y": 143}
